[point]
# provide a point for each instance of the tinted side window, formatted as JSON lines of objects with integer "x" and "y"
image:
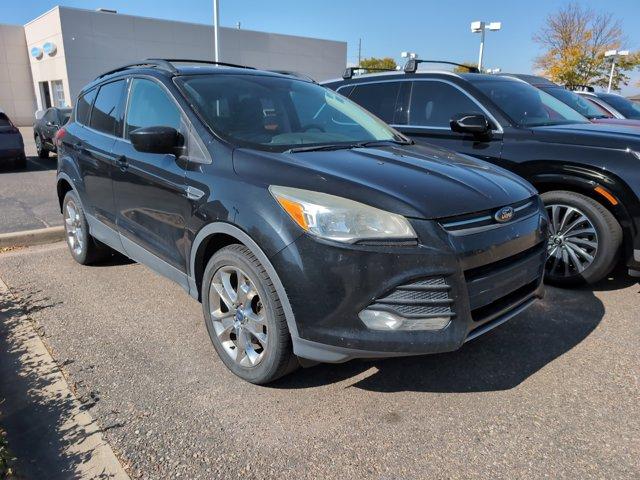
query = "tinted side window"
{"x": 83, "y": 107}
{"x": 378, "y": 98}
{"x": 104, "y": 115}
{"x": 433, "y": 104}
{"x": 150, "y": 106}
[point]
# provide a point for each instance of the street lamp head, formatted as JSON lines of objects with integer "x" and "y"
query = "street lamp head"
{"x": 623, "y": 53}
{"x": 409, "y": 55}
{"x": 477, "y": 27}
{"x": 610, "y": 53}
{"x": 495, "y": 26}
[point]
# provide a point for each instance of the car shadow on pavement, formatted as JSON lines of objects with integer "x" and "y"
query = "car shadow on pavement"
{"x": 36, "y": 416}
{"x": 498, "y": 360}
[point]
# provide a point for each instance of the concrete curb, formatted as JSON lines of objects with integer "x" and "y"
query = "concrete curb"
{"x": 31, "y": 237}
{"x": 47, "y": 426}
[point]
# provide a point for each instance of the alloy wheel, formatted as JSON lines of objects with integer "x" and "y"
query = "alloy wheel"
{"x": 238, "y": 316}
{"x": 573, "y": 241}
{"x": 74, "y": 228}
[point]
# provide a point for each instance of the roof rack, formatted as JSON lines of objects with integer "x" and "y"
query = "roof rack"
{"x": 299, "y": 75}
{"x": 412, "y": 65}
{"x": 348, "y": 73}
{"x": 167, "y": 65}
{"x": 580, "y": 88}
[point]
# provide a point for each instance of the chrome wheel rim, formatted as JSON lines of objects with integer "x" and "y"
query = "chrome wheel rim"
{"x": 74, "y": 228}
{"x": 238, "y": 316}
{"x": 573, "y": 241}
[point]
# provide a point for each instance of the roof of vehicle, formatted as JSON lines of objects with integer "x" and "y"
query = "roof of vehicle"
{"x": 421, "y": 73}
{"x": 532, "y": 79}
{"x": 179, "y": 67}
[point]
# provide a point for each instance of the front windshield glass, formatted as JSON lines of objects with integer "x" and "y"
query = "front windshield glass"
{"x": 526, "y": 105}
{"x": 276, "y": 113}
{"x": 626, "y": 107}
{"x": 575, "y": 101}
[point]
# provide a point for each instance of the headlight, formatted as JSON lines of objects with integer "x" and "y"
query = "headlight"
{"x": 340, "y": 219}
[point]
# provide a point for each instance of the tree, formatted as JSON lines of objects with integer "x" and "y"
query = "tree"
{"x": 575, "y": 39}
{"x": 463, "y": 69}
{"x": 387, "y": 63}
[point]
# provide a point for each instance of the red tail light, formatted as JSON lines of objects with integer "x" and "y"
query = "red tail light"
{"x": 59, "y": 136}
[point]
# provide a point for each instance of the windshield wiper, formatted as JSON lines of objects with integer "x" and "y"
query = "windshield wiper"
{"x": 317, "y": 148}
{"x": 347, "y": 146}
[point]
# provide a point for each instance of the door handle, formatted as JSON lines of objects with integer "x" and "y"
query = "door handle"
{"x": 193, "y": 193}
{"x": 121, "y": 163}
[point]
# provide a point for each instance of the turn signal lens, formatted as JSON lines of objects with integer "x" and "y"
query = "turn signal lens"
{"x": 295, "y": 210}
{"x": 606, "y": 195}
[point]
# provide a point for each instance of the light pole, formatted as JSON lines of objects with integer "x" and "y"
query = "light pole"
{"x": 216, "y": 22}
{"x": 614, "y": 54}
{"x": 481, "y": 27}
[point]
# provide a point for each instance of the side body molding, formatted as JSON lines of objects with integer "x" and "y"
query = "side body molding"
{"x": 228, "y": 229}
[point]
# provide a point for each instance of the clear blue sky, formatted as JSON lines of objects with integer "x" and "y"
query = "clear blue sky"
{"x": 433, "y": 28}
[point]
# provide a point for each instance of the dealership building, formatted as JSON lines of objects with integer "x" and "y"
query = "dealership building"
{"x": 47, "y": 61}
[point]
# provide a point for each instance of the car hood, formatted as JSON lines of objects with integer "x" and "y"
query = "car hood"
{"x": 415, "y": 181}
{"x": 624, "y": 122}
{"x": 591, "y": 134}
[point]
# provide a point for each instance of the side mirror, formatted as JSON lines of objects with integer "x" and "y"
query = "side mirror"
{"x": 473, "y": 123}
{"x": 156, "y": 140}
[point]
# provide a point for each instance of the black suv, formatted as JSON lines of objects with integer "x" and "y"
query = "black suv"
{"x": 306, "y": 227}
{"x": 588, "y": 174}
{"x": 46, "y": 127}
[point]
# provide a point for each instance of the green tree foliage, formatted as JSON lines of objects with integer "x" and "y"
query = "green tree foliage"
{"x": 575, "y": 39}
{"x": 386, "y": 63}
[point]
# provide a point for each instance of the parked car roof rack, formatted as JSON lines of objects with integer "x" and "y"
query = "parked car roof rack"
{"x": 299, "y": 75}
{"x": 348, "y": 73}
{"x": 580, "y": 88}
{"x": 168, "y": 65}
{"x": 412, "y": 65}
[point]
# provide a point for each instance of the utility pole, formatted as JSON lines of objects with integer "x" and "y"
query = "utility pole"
{"x": 359, "y": 51}
{"x": 614, "y": 54}
{"x": 216, "y": 24}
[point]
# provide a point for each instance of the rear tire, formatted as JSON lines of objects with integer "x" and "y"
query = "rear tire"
{"x": 584, "y": 241}
{"x": 83, "y": 247}
{"x": 41, "y": 149}
{"x": 21, "y": 162}
{"x": 244, "y": 316}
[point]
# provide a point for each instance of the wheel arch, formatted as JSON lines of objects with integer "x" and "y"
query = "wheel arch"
{"x": 217, "y": 235}
{"x": 63, "y": 186}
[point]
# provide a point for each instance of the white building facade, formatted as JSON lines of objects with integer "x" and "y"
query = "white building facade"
{"x": 66, "y": 48}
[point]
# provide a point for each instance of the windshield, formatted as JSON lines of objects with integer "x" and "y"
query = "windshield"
{"x": 526, "y": 105}
{"x": 575, "y": 101}
{"x": 277, "y": 114}
{"x": 621, "y": 104}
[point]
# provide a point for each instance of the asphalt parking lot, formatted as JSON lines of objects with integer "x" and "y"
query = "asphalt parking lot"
{"x": 28, "y": 197}
{"x": 552, "y": 394}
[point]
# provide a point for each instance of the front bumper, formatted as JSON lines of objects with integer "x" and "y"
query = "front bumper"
{"x": 491, "y": 275}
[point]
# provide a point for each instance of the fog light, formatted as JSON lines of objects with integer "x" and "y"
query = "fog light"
{"x": 380, "y": 320}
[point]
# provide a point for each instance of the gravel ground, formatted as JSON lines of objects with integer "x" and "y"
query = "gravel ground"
{"x": 553, "y": 393}
{"x": 28, "y": 197}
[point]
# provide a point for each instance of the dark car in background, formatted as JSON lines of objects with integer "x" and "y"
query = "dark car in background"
{"x": 306, "y": 227}
{"x": 11, "y": 144}
{"x": 46, "y": 127}
{"x": 588, "y": 174}
{"x": 579, "y": 103}
{"x": 615, "y": 105}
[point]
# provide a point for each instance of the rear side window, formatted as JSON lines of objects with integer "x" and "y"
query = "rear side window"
{"x": 105, "y": 112}
{"x": 434, "y": 103}
{"x": 150, "y": 106}
{"x": 83, "y": 107}
{"x": 379, "y": 98}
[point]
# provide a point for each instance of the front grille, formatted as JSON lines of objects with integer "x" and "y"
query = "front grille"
{"x": 460, "y": 224}
{"x": 428, "y": 297}
{"x": 504, "y": 304}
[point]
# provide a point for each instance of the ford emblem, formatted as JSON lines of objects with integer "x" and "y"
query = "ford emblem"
{"x": 504, "y": 214}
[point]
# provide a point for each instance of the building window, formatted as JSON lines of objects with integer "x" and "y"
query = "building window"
{"x": 58, "y": 94}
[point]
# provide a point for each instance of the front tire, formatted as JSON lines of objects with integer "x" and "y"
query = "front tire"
{"x": 244, "y": 316}
{"x": 83, "y": 247}
{"x": 584, "y": 239}
{"x": 41, "y": 149}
